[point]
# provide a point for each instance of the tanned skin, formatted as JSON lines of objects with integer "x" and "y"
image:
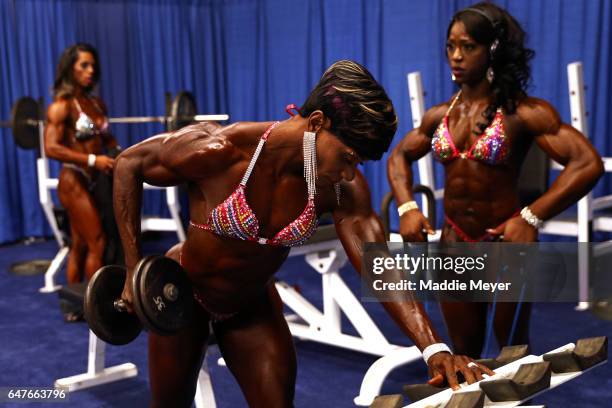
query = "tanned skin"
{"x": 482, "y": 198}
{"x": 236, "y": 276}
{"x": 88, "y": 240}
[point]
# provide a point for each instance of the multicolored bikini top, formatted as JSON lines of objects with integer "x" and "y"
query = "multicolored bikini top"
{"x": 491, "y": 147}
{"x": 85, "y": 126}
{"x": 234, "y": 218}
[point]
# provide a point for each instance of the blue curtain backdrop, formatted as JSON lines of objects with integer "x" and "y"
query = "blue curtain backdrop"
{"x": 250, "y": 58}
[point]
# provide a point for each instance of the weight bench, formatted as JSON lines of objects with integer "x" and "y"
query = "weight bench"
{"x": 324, "y": 253}
{"x": 98, "y": 374}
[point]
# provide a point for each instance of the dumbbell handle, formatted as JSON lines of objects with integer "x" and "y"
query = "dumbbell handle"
{"x": 170, "y": 293}
{"x": 120, "y": 305}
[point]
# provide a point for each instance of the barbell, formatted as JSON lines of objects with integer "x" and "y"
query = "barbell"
{"x": 27, "y": 116}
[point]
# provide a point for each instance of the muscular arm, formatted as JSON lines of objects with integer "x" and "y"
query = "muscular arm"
{"x": 138, "y": 164}
{"x": 168, "y": 159}
{"x": 567, "y": 146}
{"x": 356, "y": 223}
{"x": 55, "y": 132}
{"x": 411, "y": 148}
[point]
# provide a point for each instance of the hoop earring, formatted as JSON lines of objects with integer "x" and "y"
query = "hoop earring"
{"x": 490, "y": 75}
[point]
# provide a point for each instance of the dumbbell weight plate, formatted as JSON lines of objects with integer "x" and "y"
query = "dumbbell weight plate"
{"x": 109, "y": 324}
{"x": 163, "y": 297}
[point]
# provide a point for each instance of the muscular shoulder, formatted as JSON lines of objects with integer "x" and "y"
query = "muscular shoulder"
{"x": 203, "y": 145}
{"x": 433, "y": 117}
{"x": 59, "y": 110}
{"x": 538, "y": 116}
{"x": 355, "y": 196}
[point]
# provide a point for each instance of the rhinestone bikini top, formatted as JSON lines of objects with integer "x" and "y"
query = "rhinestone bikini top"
{"x": 491, "y": 147}
{"x": 234, "y": 218}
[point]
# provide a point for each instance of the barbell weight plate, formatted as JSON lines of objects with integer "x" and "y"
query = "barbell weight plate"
{"x": 163, "y": 297}
{"x": 182, "y": 111}
{"x": 109, "y": 324}
{"x": 24, "y": 118}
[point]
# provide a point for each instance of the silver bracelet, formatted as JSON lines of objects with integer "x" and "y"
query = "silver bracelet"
{"x": 433, "y": 349}
{"x": 531, "y": 218}
{"x": 91, "y": 160}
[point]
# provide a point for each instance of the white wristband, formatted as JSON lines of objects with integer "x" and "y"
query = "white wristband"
{"x": 91, "y": 160}
{"x": 407, "y": 206}
{"x": 531, "y": 218}
{"x": 433, "y": 349}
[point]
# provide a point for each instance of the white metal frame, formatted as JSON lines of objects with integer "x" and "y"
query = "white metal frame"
{"x": 310, "y": 323}
{"x": 97, "y": 374}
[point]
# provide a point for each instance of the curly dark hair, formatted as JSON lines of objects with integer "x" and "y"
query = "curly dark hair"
{"x": 361, "y": 113}
{"x": 63, "y": 86}
{"x": 485, "y": 22}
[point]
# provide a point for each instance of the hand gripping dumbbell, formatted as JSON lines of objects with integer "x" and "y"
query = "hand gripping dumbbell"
{"x": 162, "y": 300}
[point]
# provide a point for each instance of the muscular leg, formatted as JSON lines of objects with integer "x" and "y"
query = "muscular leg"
{"x": 84, "y": 217}
{"x": 503, "y": 323}
{"x": 175, "y": 361}
{"x": 258, "y": 349}
{"x": 466, "y": 323}
{"x": 76, "y": 257}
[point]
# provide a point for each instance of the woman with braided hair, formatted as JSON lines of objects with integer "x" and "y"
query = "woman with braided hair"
{"x": 481, "y": 135}
{"x": 255, "y": 190}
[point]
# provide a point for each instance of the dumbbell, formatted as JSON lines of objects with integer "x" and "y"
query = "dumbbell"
{"x": 163, "y": 300}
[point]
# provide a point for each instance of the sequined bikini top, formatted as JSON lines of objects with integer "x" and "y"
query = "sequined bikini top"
{"x": 491, "y": 147}
{"x": 234, "y": 218}
{"x": 85, "y": 126}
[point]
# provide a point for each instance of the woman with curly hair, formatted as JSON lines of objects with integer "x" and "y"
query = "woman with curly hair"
{"x": 481, "y": 135}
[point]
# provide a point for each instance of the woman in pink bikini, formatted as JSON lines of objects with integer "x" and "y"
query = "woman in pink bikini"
{"x": 481, "y": 136}
{"x": 77, "y": 135}
{"x": 255, "y": 190}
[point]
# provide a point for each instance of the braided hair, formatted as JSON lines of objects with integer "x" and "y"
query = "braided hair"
{"x": 361, "y": 113}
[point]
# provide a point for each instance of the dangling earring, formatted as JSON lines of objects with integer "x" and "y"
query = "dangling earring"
{"x": 338, "y": 192}
{"x": 453, "y": 77}
{"x": 310, "y": 162}
{"x": 490, "y": 75}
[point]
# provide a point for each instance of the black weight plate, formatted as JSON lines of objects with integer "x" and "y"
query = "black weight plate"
{"x": 158, "y": 312}
{"x": 24, "y": 114}
{"x": 182, "y": 111}
{"x": 109, "y": 324}
{"x": 137, "y": 298}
